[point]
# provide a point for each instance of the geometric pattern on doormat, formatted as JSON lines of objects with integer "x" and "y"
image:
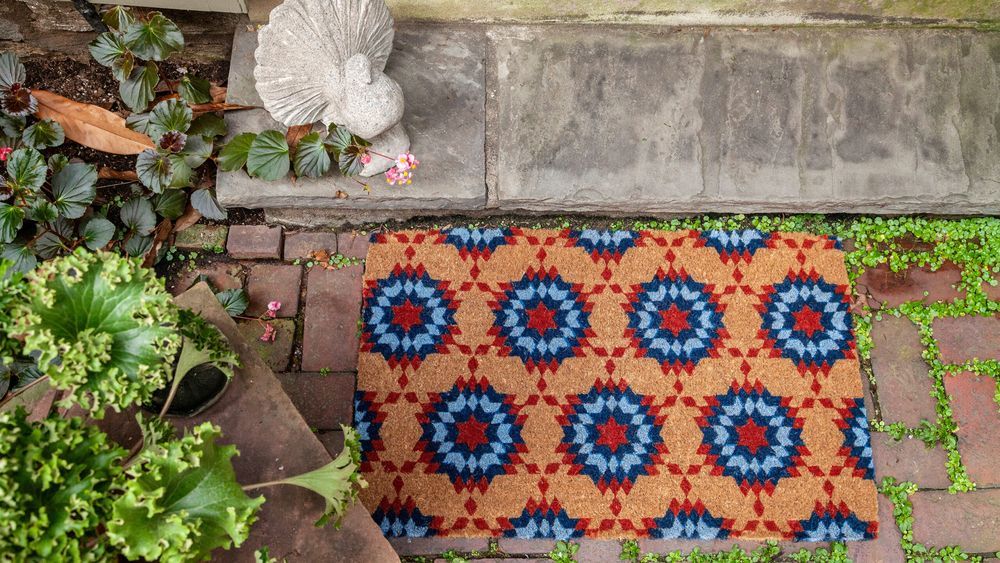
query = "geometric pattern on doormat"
{"x": 612, "y": 384}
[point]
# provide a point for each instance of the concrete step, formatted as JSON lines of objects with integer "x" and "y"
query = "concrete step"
{"x": 664, "y": 120}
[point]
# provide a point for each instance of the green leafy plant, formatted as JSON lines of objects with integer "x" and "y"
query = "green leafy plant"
{"x": 181, "y": 501}
{"x": 56, "y": 488}
{"x": 103, "y": 328}
{"x": 564, "y": 552}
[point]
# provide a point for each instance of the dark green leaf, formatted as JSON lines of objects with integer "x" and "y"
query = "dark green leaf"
{"x": 11, "y": 219}
{"x": 138, "y": 122}
{"x": 170, "y": 204}
{"x": 311, "y": 158}
{"x": 196, "y": 151}
{"x": 57, "y": 162}
{"x": 181, "y": 173}
{"x": 350, "y": 160}
{"x": 154, "y": 169}
{"x": 98, "y": 232}
{"x": 137, "y": 215}
{"x": 22, "y": 257}
{"x": 195, "y": 90}
{"x": 48, "y": 244}
{"x": 11, "y": 70}
{"x": 208, "y": 125}
{"x": 340, "y": 138}
{"x": 268, "y": 156}
{"x": 122, "y": 67}
{"x": 234, "y": 301}
{"x": 118, "y": 18}
{"x": 12, "y": 126}
{"x": 42, "y": 211}
{"x": 107, "y": 48}
{"x": 138, "y": 246}
{"x": 234, "y": 155}
{"x": 44, "y": 134}
{"x": 138, "y": 89}
{"x": 168, "y": 115}
{"x": 25, "y": 169}
{"x": 73, "y": 189}
{"x": 204, "y": 201}
{"x": 154, "y": 39}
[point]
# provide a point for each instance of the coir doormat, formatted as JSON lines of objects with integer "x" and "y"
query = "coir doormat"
{"x": 563, "y": 384}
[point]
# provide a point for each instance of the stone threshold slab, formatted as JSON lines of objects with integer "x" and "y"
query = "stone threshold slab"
{"x": 441, "y": 70}
{"x": 652, "y": 120}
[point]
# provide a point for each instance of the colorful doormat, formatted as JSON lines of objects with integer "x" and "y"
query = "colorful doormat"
{"x": 563, "y": 384}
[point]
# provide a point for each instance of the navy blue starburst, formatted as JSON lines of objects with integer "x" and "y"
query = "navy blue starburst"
{"x": 808, "y": 321}
{"x": 752, "y": 436}
{"x": 471, "y": 433}
{"x": 688, "y": 522}
{"x": 541, "y": 319}
{"x": 476, "y": 242}
{"x": 407, "y": 316}
{"x": 612, "y": 435}
{"x": 735, "y": 245}
{"x": 832, "y": 523}
{"x": 857, "y": 446}
{"x": 675, "y": 320}
{"x": 607, "y": 245}
{"x": 542, "y": 520}
{"x": 399, "y": 520}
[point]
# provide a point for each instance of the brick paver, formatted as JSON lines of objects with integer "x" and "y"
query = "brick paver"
{"x": 909, "y": 460}
{"x": 221, "y": 276}
{"x": 901, "y": 373}
{"x": 276, "y": 354}
{"x": 895, "y": 288}
{"x": 432, "y": 546}
{"x": 254, "y": 241}
{"x": 300, "y": 244}
{"x": 325, "y": 401}
{"x": 969, "y": 519}
{"x": 975, "y": 412}
{"x": 333, "y": 307}
{"x": 274, "y": 282}
{"x": 886, "y": 547}
{"x": 964, "y": 338}
{"x": 352, "y": 245}
{"x": 201, "y": 237}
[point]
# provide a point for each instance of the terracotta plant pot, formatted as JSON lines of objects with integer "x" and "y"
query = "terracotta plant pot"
{"x": 200, "y": 389}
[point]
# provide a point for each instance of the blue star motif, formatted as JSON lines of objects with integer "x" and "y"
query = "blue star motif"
{"x": 476, "y": 242}
{"x": 541, "y": 319}
{"x": 752, "y": 437}
{"x": 610, "y": 245}
{"x": 398, "y": 520}
{"x": 407, "y": 316}
{"x": 368, "y": 423}
{"x": 693, "y": 523}
{"x": 834, "y": 525}
{"x": 675, "y": 320}
{"x": 857, "y": 438}
{"x": 611, "y": 435}
{"x": 809, "y": 321}
{"x": 471, "y": 433}
{"x": 734, "y": 245}
{"x": 544, "y": 522}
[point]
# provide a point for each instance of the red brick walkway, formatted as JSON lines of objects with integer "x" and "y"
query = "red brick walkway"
{"x": 316, "y": 350}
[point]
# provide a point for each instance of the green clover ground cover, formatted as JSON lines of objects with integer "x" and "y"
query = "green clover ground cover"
{"x": 973, "y": 244}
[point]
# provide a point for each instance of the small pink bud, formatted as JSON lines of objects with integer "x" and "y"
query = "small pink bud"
{"x": 269, "y": 333}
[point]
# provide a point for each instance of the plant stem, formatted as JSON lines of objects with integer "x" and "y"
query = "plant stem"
{"x": 170, "y": 397}
{"x": 262, "y": 485}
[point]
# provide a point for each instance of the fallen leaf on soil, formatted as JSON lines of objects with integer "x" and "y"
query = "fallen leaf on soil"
{"x": 190, "y": 217}
{"x": 161, "y": 233}
{"x": 205, "y": 108}
{"x": 295, "y": 134}
{"x": 106, "y": 173}
{"x": 218, "y": 94}
{"x": 90, "y": 125}
{"x": 341, "y": 194}
{"x": 322, "y": 259}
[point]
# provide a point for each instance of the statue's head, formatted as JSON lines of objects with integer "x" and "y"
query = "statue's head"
{"x": 369, "y": 101}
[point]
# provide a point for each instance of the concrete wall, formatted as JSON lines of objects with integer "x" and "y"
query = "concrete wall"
{"x": 686, "y": 12}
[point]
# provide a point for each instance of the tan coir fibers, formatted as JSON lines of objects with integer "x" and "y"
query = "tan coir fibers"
{"x": 561, "y": 384}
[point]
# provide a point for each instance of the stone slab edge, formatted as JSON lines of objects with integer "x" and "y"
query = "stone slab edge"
{"x": 275, "y": 442}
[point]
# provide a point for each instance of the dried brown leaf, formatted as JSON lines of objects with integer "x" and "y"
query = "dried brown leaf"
{"x": 106, "y": 173}
{"x": 90, "y": 125}
{"x": 190, "y": 217}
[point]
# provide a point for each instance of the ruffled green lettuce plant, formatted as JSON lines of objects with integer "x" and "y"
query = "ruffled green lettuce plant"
{"x": 103, "y": 329}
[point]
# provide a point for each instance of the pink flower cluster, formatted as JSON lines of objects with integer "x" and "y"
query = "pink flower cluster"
{"x": 272, "y": 311}
{"x": 4, "y": 153}
{"x": 402, "y": 172}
